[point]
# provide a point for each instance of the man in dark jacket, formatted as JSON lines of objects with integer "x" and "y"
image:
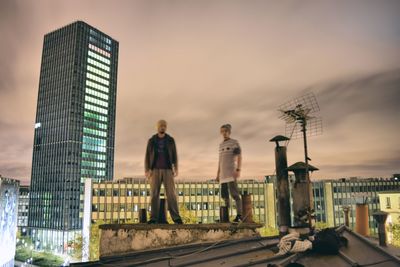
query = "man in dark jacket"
{"x": 161, "y": 166}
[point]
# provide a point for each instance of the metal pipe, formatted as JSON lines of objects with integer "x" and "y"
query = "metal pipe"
{"x": 380, "y": 217}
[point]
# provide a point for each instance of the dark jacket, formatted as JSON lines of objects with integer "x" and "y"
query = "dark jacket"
{"x": 151, "y": 153}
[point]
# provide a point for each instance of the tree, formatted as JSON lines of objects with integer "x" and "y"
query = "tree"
{"x": 95, "y": 240}
{"x": 77, "y": 245}
{"x": 396, "y": 235}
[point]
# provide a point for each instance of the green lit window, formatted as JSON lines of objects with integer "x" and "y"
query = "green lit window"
{"x": 94, "y": 124}
{"x": 91, "y": 115}
{"x": 94, "y": 132}
{"x": 96, "y": 109}
{"x": 93, "y": 156}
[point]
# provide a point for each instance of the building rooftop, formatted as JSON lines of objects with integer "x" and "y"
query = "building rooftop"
{"x": 255, "y": 251}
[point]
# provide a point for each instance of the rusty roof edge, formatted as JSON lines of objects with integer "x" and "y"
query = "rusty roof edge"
{"x": 372, "y": 245}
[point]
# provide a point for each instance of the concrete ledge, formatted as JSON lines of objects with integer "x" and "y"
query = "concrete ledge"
{"x": 123, "y": 238}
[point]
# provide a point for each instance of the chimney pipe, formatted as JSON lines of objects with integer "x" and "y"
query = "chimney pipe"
{"x": 380, "y": 217}
{"x": 362, "y": 221}
{"x": 282, "y": 185}
{"x": 247, "y": 208}
{"x": 346, "y": 210}
{"x": 302, "y": 205}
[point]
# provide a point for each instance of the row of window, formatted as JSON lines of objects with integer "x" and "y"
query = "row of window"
{"x": 185, "y": 192}
{"x": 94, "y": 156}
{"x": 96, "y": 101}
{"x": 94, "y": 124}
{"x": 99, "y": 50}
{"x": 99, "y": 57}
{"x": 97, "y": 86}
{"x": 94, "y": 141}
{"x": 99, "y": 43}
{"x": 97, "y": 79}
{"x": 96, "y": 109}
{"x": 98, "y": 72}
{"x": 95, "y": 132}
{"x": 98, "y": 64}
{"x": 93, "y": 172}
{"x": 96, "y": 93}
{"x": 93, "y": 147}
{"x": 93, "y": 164}
{"x": 100, "y": 36}
{"x": 95, "y": 116}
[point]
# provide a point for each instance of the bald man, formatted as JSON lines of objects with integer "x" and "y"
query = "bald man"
{"x": 161, "y": 166}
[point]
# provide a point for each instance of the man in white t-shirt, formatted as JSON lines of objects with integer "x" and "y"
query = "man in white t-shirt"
{"x": 230, "y": 161}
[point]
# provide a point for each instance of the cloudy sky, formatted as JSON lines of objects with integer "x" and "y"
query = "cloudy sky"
{"x": 199, "y": 64}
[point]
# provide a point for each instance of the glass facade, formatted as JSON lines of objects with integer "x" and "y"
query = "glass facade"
{"x": 74, "y": 127}
{"x": 23, "y": 207}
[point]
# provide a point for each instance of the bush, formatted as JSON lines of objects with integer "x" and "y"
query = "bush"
{"x": 396, "y": 235}
{"x": 45, "y": 259}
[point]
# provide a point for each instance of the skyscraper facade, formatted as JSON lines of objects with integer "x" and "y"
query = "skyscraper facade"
{"x": 74, "y": 129}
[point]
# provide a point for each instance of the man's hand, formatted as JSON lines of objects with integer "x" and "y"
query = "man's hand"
{"x": 148, "y": 174}
{"x": 175, "y": 172}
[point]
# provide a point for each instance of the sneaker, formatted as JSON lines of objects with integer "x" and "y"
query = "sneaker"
{"x": 238, "y": 219}
{"x": 152, "y": 221}
{"x": 178, "y": 221}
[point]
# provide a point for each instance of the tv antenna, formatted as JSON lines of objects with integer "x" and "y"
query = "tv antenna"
{"x": 301, "y": 121}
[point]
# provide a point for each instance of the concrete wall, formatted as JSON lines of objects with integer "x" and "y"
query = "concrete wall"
{"x": 123, "y": 238}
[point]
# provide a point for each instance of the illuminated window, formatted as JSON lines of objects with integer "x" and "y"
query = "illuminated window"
{"x": 97, "y": 71}
{"x": 95, "y": 132}
{"x": 96, "y": 109}
{"x": 96, "y": 117}
{"x": 97, "y": 79}
{"x": 99, "y": 57}
{"x": 97, "y": 86}
{"x": 95, "y": 93}
{"x": 99, "y": 50}
{"x": 98, "y": 64}
{"x": 96, "y": 101}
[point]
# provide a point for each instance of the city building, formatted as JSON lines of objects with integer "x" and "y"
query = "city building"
{"x": 9, "y": 191}
{"x": 390, "y": 203}
{"x": 23, "y": 208}
{"x": 121, "y": 200}
{"x": 74, "y": 129}
{"x": 330, "y": 196}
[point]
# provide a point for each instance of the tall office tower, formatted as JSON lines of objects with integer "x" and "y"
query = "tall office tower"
{"x": 74, "y": 129}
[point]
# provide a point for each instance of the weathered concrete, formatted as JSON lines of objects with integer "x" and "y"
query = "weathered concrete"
{"x": 122, "y": 238}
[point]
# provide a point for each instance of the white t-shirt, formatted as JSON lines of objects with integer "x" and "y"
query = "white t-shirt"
{"x": 228, "y": 150}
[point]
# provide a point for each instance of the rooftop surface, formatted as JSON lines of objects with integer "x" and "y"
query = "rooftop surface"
{"x": 255, "y": 251}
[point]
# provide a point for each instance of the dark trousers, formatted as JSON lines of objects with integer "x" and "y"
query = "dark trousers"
{"x": 166, "y": 177}
{"x": 232, "y": 188}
